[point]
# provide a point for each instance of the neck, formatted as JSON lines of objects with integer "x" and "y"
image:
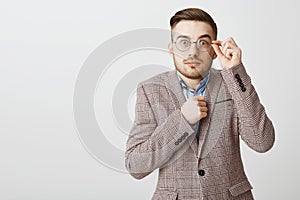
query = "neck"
{"x": 191, "y": 83}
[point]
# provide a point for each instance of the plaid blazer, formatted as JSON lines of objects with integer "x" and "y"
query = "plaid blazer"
{"x": 212, "y": 168}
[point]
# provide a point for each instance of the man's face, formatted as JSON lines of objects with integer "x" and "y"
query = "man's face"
{"x": 192, "y": 60}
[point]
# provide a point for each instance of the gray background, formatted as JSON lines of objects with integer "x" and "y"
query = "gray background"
{"x": 43, "y": 45}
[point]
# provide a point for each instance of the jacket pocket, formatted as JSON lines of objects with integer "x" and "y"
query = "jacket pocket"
{"x": 165, "y": 194}
{"x": 225, "y": 100}
{"x": 240, "y": 188}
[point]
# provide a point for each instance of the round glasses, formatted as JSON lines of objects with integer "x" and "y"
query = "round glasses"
{"x": 184, "y": 44}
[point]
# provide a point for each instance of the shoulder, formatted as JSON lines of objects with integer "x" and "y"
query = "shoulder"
{"x": 157, "y": 80}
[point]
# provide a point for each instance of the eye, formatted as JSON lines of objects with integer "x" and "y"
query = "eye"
{"x": 184, "y": 42}
{"x": 202, "y": 43}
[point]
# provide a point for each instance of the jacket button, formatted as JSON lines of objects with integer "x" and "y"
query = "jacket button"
{"x": 237, "y": 76}
{"x": 240, "y": 81}
{"x": 243, "y": 89}
{"x": 201, "y": 172}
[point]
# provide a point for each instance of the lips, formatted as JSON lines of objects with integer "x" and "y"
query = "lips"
{"x": 192, "y": 63}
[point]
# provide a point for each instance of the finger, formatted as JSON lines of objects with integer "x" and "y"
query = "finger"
{"x": 217, "y": 50}
{"x": 203, "y": 114}
{"x": 233, "y": 52}
{"x": 217, "y": 42}
{"x": 227, "y": 46}
{"x": 224, "y": 49}
{"x": 203, "y": 109}
{"x": 198, "y": 98}
{"x": 229, "y": 53}
{"x": 231, "y": 40}
{"x": 201, "y": 103}
{"x": 229, "y": 43}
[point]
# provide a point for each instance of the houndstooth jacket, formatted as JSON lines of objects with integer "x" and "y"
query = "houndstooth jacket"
{"x": 212, "y": 168}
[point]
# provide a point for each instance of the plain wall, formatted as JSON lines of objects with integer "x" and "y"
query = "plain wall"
{"x": 43, "y": 45}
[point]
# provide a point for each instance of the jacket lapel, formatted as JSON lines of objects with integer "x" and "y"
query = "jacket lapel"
{"x": 174, "y": 89}
{"x": 211, "y": 94}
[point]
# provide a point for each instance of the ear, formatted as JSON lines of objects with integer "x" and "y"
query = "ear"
{"x": 215, "y": 56}
{"x": 170, "y": 48}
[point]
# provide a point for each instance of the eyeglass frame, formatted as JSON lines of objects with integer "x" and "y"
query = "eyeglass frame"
{"x": 196, "y": 42}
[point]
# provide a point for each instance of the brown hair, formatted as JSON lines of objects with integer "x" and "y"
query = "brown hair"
{"x": 194, "y": 14}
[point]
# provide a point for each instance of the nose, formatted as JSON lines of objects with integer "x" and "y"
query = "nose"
{"x": 193, "y": 50}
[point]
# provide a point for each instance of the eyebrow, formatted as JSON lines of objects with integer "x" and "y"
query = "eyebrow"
{"x": 202, "y": 36}
{"x": 205, "y": 36}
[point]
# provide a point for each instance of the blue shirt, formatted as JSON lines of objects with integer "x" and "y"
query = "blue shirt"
{"x": 189, "y": 92}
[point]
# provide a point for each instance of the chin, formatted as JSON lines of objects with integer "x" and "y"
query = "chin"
{"x": 196, "y": 75}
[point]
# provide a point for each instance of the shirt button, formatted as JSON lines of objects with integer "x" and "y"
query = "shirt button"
{"x": 201, "y": 172}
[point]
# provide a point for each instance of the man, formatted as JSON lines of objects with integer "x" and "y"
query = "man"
{"x": 188, "y": 121}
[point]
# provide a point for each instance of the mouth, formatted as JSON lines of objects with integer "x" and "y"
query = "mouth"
{"x": 192, "y": 63}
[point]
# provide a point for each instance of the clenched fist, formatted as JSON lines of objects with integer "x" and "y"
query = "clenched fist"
{"x": 194, "y": 109}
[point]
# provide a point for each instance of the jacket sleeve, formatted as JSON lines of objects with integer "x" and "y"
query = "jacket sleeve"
{"x": 254, "y": 126}
{"x": 149, "y": 145}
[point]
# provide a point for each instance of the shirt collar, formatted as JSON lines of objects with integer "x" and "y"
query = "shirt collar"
{"x": 201, "y": 87}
